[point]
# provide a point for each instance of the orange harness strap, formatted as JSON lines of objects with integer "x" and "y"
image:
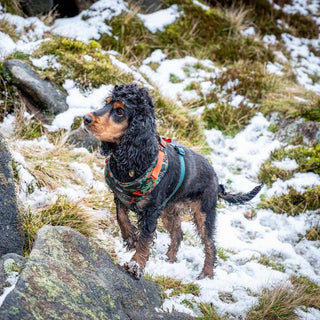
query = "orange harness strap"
{"x": 156, "y": 170}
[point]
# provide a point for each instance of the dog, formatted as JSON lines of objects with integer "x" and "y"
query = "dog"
{"x": 155, "y": 178}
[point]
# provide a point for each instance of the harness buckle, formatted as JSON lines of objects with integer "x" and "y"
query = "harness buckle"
{"x": 179, "y": 150}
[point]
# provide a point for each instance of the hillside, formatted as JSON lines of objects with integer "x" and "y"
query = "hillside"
{"x": 238, "y": 82}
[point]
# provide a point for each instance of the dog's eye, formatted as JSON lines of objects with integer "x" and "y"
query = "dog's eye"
{"x": 119, "y": 112}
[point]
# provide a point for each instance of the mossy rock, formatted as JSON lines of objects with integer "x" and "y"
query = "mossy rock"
{"x": 70, "y": 274}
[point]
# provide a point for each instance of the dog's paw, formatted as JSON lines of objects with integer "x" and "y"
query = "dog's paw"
{"x": 203, "y": 275}
{"x": 134, "y": 269}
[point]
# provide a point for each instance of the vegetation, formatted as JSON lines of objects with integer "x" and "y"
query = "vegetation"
{"x": 293, "y": 202}
{"x": 308, "y": 160}
{"x": 175, "y": 286}
{"x": 201, "y": 33}
{"x": 87, "y": 72}
{"x": 266, "y": 17}
{"x": 314, "y": 233}
{"x": 282, "y": 301}
{"x": 61, "y": 213}
{"x": 271, "y": 262}
{"x": 227, "y": 119}
{"x": 208, "y": 312}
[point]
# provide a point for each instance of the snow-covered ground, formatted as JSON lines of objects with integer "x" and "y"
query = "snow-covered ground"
{"x": 236, "y": 160}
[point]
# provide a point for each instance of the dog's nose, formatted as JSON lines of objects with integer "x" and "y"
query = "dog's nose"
{"x": 87, "y": 120}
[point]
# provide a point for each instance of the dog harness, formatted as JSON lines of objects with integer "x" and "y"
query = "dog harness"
{"x": 134, "y": 191}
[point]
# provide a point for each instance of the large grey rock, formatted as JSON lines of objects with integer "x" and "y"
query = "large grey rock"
{"x": 69, "y": 276}
{"x": 291, "y": 129}
{"x": 43, "y": 94}
{"x": 36, "y": 7}
{"x": 11, "y": 232}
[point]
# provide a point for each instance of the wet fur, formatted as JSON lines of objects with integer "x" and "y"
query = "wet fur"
{"x": 136, "y": 151}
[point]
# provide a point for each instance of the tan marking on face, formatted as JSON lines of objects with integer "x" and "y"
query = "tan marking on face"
{"x": 104, "y": 128}
{"x": 118, "y": 104}
{"x": 108, "y": 100}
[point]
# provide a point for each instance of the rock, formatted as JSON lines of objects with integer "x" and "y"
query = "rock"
{"x": 11, "y": 232}
{"x": 35, "y": 7}
{"x": 10, "y": 263}
{"x": 149, "y": 6}
{"x": 71, "y": 276}
{"x": 43, "y": 95}
{"x": 290, "y": 130}
{"x": 80, "y": 138}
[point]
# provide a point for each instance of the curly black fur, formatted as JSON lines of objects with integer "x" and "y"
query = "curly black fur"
{"x": 137, "y": 150}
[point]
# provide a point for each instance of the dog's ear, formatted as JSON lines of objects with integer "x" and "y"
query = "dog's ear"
{"x": 145, "y": 101}
{"x": 139, "y": 143}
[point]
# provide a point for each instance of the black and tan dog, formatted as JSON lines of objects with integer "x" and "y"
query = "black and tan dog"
{"x": 154, "y": 178}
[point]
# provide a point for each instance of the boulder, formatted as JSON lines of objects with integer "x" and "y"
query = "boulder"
{"x": 69, "y": 276}
{"x": 35, "y": 7}
{"x": 290, "y": 130}
{"x": 11, "y": 232}
{"x": 80, "y": 138}
{"x": 47, "y": 98}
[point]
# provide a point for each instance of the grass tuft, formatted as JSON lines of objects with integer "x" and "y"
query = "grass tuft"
{"x": 61, "y": 213}
{"x": 294, "y": 202}
{"x": 208, "y": 312}
{"x": 314, "y": 233}
{"x": 281, "y": 302}
{"x": 176, "y": 285}
{"x": 227, "y": 119}
{"x": 308, "y": 160}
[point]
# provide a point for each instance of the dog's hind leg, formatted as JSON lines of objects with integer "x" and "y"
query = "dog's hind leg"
{"x": 172, "y": 222}
{"x": 204, "y": 218}
{"x": 128, "y": 231}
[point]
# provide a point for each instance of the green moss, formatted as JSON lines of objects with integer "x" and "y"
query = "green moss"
{"x": 77, "y": 122}
{"x": 308, "y": 160}
{"x": 174, "y": 78}
{"x": 273, "y": 128}
{"x": 176, "y": 285}
{"x": 19, "y": 55}
{"x": 294, "y": 202}
{"x": 227, "y": 119}
{"x": 61, "y": 213}
{"x": 74, "y": 65}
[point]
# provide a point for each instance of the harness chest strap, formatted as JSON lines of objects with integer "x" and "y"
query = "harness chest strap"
{"x": 133, "y": 192}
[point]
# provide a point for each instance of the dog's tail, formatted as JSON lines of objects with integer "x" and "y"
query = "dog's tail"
{"x": 238, "y": 198}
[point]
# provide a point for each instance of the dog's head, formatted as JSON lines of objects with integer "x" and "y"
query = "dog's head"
{"x": 128, "y": 111}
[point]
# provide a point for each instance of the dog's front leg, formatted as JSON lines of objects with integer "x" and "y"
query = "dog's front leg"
{"x": 128, "y": 231}
{"x": 147, "y": 225}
